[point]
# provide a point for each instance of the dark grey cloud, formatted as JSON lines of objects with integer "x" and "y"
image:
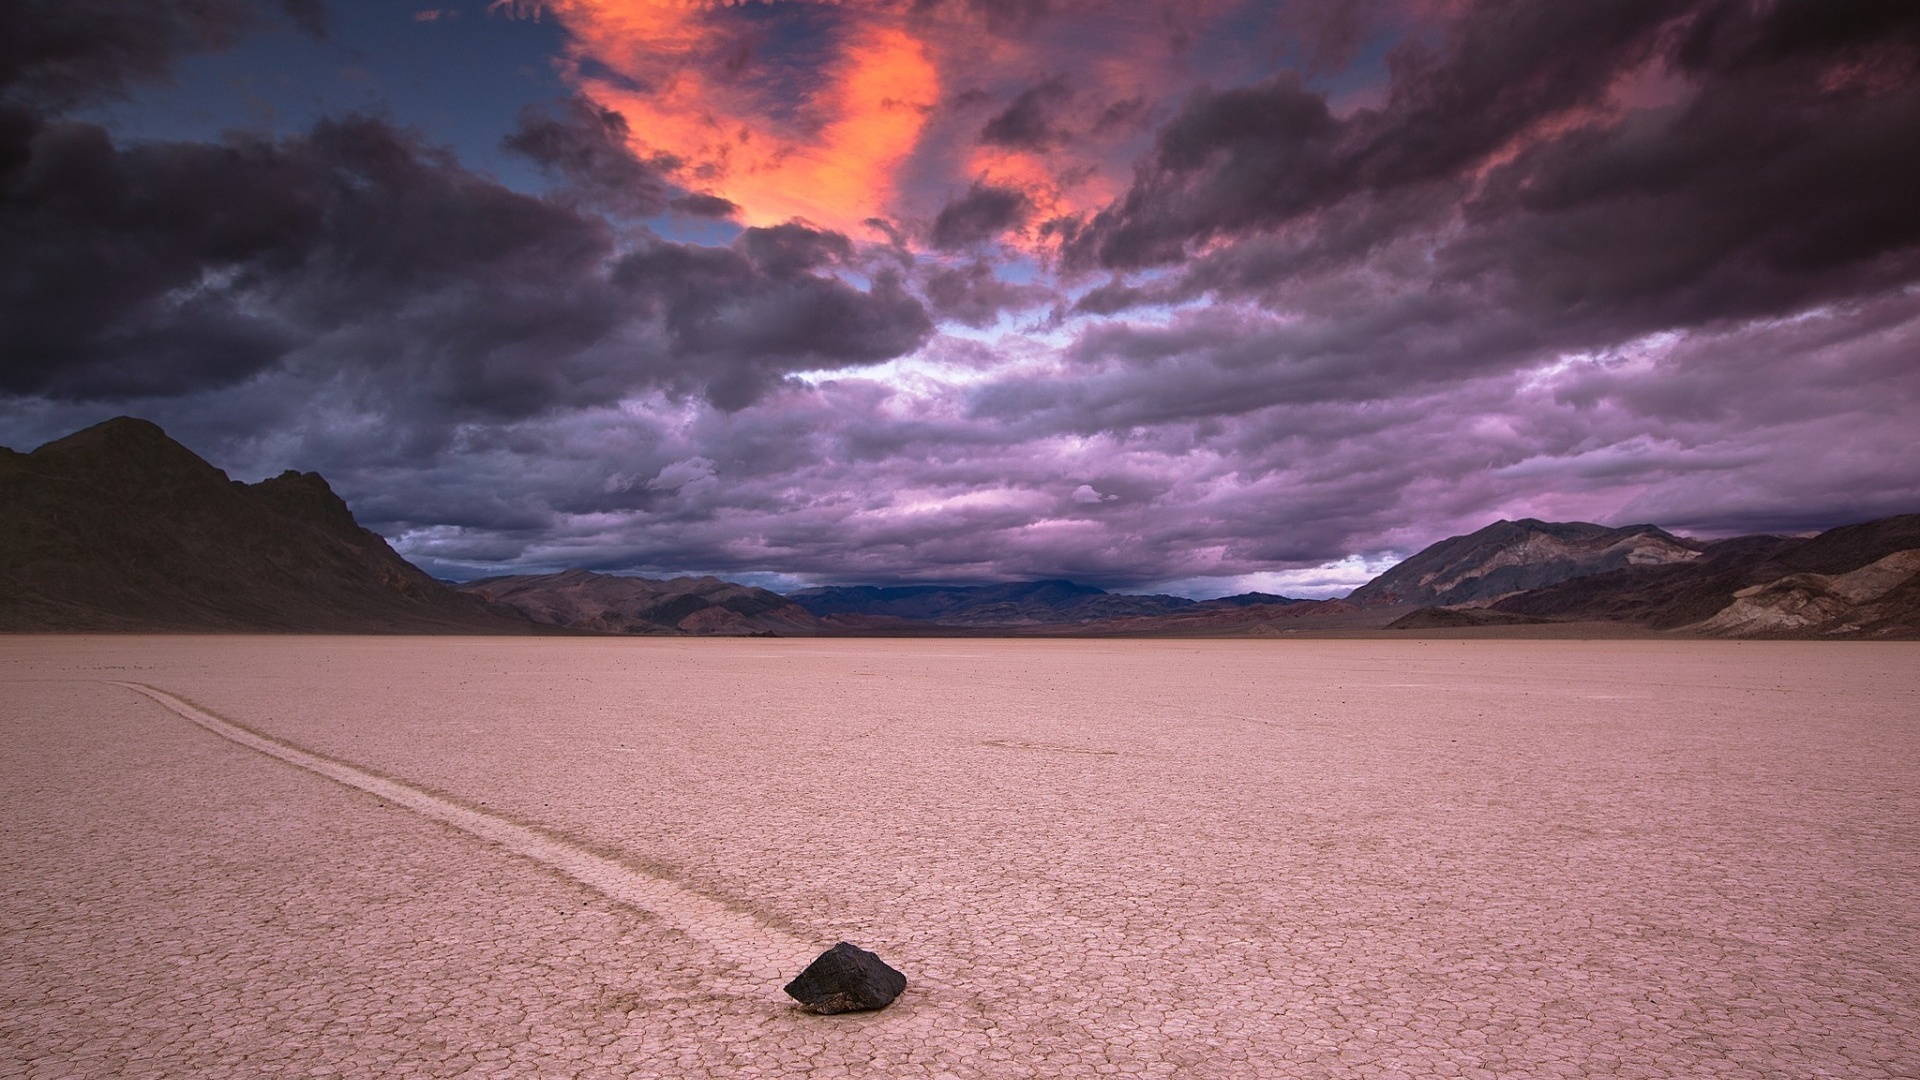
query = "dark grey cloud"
{"x": 1255, "y": 158}
{"x": 975, "y": 295}
{"x": 1028, "y": 122}
{"x": 983, "y": 213}
{"x": 785, "y": 250}
{"x": 1732, "y": 35}
{"x": 1718, "y": 209}
{"x": 164, "y": 268}
{"x": 161, "y": 267}
{"x": 1770, "y": 179}
{"x": 1778, "y": 181}
{"x": 1230, "y": 161}
{"x": 704, "y": 206}
{"x": 1006, "y": 18}
{"x": 1112, "y": 298}
{"x": 1127, "y": 112}
{"x": 742, "y": 318}
{"x": 585, "y": 145}
{"x": 1327, "y": 35}
{"x": 360, "y": 252}
{"x": 56, "y": 54}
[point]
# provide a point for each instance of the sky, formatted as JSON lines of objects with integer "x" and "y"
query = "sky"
{"x": 1200, "y": 296}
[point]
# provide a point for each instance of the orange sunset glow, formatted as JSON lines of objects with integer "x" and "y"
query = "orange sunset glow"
{"x": 829, "y": 157}
{"x": 839, "y": 113}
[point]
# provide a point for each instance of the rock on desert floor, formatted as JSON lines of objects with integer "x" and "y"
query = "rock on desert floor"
{"x": 375, "y": 857}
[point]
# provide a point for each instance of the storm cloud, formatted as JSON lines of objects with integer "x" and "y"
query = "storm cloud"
{"x": 358, "y": 251}
{"x": 981, "y": 291}
{"x": 61, "y": 53}
{"x": 983, "y": 213}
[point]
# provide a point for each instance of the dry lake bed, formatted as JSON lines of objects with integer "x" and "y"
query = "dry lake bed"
{"x": 366, "y": 857}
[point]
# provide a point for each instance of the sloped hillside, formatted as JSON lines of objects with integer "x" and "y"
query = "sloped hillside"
{"x": 1852, "y": 581}
{"x": 120, "y": 528}
{"x": 1510, "y": 557}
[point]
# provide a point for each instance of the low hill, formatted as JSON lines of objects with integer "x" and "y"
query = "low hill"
{"x": 613, "y": 604}
{"x": 1226, "y": 617}
{"x": 120, "y": 528}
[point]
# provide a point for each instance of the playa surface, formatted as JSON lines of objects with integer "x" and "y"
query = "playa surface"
{"x": 374, "y": 857}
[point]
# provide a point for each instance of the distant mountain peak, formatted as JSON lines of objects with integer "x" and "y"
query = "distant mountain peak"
{"x": 127, "y": 455}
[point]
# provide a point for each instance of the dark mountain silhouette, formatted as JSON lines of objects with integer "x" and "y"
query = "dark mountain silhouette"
{"x": 1509, "y": 557}
{"x": 118, "y": 527}
{"x": 1227, "y": 618}
{"x": 636, "y": 605}
{"x": 1249, "y": 599}
{"x": 1018, "y": 604}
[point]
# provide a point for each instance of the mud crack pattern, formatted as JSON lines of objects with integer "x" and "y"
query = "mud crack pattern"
{"x": 1224, "y": 860}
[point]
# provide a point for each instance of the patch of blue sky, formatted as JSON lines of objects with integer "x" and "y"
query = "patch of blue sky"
{"x": 464, "y": 76}
{"x": 685, "y": 229}
{"x": 1328, "y": 581}
{"x": 1018, "y": 269}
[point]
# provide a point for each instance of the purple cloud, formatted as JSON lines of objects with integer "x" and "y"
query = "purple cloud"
{"x": 1622, "y": 262}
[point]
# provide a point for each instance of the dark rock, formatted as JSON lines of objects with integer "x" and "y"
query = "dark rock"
{"x": 846, "y": 978}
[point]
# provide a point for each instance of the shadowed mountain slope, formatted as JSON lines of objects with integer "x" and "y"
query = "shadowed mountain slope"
{"x": 119, "y": 528}
{"x": 1509, "y": 557}
{"x": 1852, "y": 581}
{"x": 1229, "y": 617}
{"x": 1018, "y": 604}
{"x": 636, "y": 605}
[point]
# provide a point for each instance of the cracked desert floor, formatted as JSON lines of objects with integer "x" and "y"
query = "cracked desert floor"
{"x": 365, "y": 857}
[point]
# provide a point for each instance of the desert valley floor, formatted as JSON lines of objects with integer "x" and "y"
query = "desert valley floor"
{"x": 371, "y": 857}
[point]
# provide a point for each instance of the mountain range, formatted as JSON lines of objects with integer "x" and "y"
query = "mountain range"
{"x": 617, "y": 604}
{"x": 1027, "y": 603}
{"x": 119, "y": 528}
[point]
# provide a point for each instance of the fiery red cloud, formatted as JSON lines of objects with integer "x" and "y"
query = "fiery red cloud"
{"x": 838, "y": 113}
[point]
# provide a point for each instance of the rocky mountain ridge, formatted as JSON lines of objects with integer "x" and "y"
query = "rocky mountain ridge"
{"x": 1509, "y": 557}
{"x": 119, "y": 528}
{"x": 1850, "y": 581}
